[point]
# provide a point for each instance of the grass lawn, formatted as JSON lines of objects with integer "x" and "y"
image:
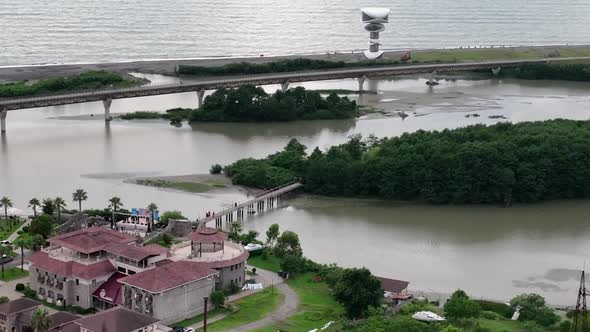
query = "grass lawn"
{"x": 271, "y": 263}
{"x": 6, "y": 228}
{"x": 13, "y": 274}
{"x": 199, "y": 318}
{"x": 317, "y": 307}
{"x": 251, "y": 308}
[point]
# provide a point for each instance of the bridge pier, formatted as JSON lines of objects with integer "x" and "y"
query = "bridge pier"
{"x": 3, "y": 121}
{"x": 285, "y": 86}
{"x": 200, "y": 96}
{"x": 496, "y": 71}
{"x": 361, "y": 83}
{"x": 107, "y": 109}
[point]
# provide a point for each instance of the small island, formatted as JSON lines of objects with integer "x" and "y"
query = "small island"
{"x": 249, "y": 103}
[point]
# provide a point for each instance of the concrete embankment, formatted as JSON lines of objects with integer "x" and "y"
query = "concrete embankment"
{"x": 166, "y": 67}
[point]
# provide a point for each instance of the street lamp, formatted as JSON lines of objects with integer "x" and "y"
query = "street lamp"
{"x": 3, "y": 260}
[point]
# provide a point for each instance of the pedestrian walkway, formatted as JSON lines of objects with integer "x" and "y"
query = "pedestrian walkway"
{"x": 14, "y": 235}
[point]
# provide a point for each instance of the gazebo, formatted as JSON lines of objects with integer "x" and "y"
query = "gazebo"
{"x": 206, "y": 240}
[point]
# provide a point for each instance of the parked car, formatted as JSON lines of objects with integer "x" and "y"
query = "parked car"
{"x": 189, "y": 329}
{"x": 7, "y": 259}
{"x": 5, "y": 242}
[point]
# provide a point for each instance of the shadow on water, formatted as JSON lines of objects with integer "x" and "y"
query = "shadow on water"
{"x": 243, "y": 131}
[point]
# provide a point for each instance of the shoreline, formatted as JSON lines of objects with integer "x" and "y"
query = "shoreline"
{"x": 167, "y": 66}
{"x": 193, "y": 184}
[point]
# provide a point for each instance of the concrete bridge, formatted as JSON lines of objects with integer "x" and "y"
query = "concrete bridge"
{"x": 264, "y": 201}
{"x": 108, "y": 95}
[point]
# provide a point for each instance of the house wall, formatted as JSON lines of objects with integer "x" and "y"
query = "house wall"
{"x": 230, "y": 275}
{"x": 173, "y": 305}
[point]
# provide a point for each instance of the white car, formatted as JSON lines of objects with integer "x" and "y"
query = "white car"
{"x": 5, "y": 242}
{"x": 253, "y": 247}
{"x": 189, "y": 329}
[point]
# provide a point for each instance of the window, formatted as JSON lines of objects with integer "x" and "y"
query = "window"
{"x": 77, "y": 298}
{"x": 122, "y": 269}
{"x": 77, "y": 282}
{"x": 93, "y": 282}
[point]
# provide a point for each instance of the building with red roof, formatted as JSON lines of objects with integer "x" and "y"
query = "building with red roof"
{"x": 76, "y": 264}
{"x": 210, "y": 248}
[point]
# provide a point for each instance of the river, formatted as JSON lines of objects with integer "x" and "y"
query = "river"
{"x": 491, "y": 252}
{"x": 74, "y": 31}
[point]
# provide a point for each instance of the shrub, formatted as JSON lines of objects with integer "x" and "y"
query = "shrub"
{"x": 4, "y": 299}
{"x": 28, "y": 292}
{"x": 481, "y": 329}
{"x": 490, "y": 315}
{"x": 217, "y": 298}
{"x": 460, "y": 306}
{"x": 19, "y": 287}
{"x": 216, "y": 169}
{"x": 501, "y": 309}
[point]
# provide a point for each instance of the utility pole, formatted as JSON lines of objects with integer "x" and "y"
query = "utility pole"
{"x": 205, "y": 315}
{"x": 581, "y": 312}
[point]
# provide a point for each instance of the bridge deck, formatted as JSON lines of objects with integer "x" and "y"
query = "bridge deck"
{"x": 211, "y": 84}
{"x": 261, "y": 197}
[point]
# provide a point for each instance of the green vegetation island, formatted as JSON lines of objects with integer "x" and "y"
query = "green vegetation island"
{"x": 90, "y": 80}
{"x": 499, "y": 164}
{"x": 249, "y": 103}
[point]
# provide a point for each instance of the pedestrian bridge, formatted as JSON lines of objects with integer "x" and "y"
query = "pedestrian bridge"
{"x": 199, "y": 86}
{"x": 266, "y": 200}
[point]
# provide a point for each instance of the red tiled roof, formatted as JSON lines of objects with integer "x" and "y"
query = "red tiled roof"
{"x": 117, "y": 319}
{"x": 225, "y": 263}
{"x": 393, "y": 285}
{"x": 90, "y": 239}
{"x": 135, "y": 252}
{"x": 168, "y": 276}
{"x": 41, "y": 260}
{"x": 207, "y": 235}
{"x": 110, "y": 290}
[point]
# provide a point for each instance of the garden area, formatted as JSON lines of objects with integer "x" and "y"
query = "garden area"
{"x": 7, "y": 227}
{"x": 13, "y": 273}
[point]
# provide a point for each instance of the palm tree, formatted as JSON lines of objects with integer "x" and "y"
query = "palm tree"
{"x": 34, "y": 203}
{"x": 6, "y": 203}
{"x": 23, "y": 243}
{"x": 59, "y": 203}
{"x": 5, "y": 251}
{"x": 40, "y": 322}
{"x": 115, "y": 205}
{"x": 48, "y": 206}
{"x": 152, "y": 207}
{"x": 78, "y": 196}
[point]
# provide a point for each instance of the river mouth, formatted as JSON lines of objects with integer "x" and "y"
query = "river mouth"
{"x": 489, "y": 251}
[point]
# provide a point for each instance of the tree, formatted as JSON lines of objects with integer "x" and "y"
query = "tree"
{"x": 22, "y": 242}
{"x": 250, "y": 237}
{"x": 460, "y": 306}
{"x": 293, "y": 264}
{"x": 40, "y": 322}
{"x": 533, "y": 308}
{"x": 5, "y": 251}
{"x": 152, "y": 207}
{"x": 78, "y": 196}
{"x": 34, "y": 203}
{"x": 37, "y": 241}
{"x": 215, "y": 169}
{"x": 356, "y": 290}
{"x": 235, "y": 228}
{"x": 6, "y": 203}
{"x": 288, "y": 244}
{"x": 272, "y": 234}
{"x": 42, "y": 225}
{"x": 175, "y": 215}
{"x": 48, "y": 207}
{"x": 115, "y": 204}
{"x": 217, "y": 298}
{"x": 59, "y": 203}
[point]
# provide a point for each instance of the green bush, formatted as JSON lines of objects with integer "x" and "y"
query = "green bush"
{"x": 501, "y": 309}
{"x": 215, "y": 169}
{"x": 491, "y": 315}
{"x": 28, "y": 292}
{"x": 19, "y": 287}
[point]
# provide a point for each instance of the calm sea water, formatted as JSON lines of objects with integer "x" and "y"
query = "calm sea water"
{"x": 66, "y": 31}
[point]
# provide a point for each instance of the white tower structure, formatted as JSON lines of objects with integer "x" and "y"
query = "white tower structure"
{"x": 373, "y": 20}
